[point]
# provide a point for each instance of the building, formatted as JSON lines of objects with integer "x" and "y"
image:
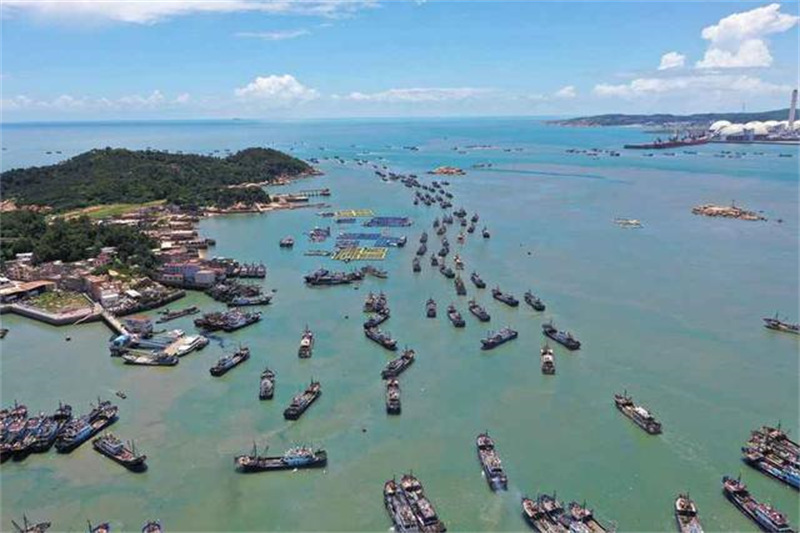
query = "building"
{"x": 15, "y": 290}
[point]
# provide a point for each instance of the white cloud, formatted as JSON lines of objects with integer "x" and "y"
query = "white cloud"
{"x": 566, "y": 92}
{"x": 428, "y": 94}
{"x": 672, "y": 60}
{"x": 276, "y": 90}
{"x": 696, "y": 85}
{"x": 274, "y": 35}
{"x": 66, "y": 102}
{"x": 737, "y": 40}
{"x": 153, "y": 11}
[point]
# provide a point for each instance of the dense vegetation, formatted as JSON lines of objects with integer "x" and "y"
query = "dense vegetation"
{"x": 71, "y": 240}
{"x": 659, "y": 119}
{"x": 114, "y": 175}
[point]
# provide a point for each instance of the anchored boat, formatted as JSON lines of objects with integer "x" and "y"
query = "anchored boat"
{"x": 455, "y": 317}
{"x": 461, "y": 289}
{"x": 397, "y": 366}
{"x": 228, "y": 362}
{"x": 306, "y": 344}
{"x": 764, "y": 515}
{"x": 534, "y": 301}
{"x": 564, "y": 338}
{"x": 430, "y": 308}
{"x": 393, "y": 397}
{"x": 548, "y": 362}
{"x": 495, "y": 339}
{"x": 477, "y": 281}
{"x": 114, "y": 449}
{"x": 686, "y": 515}
{"x": 504, "y": 297}
{"x": 476, "y": 309}
{"x": 266, "y": 387}
{"x": 384, "y": 339}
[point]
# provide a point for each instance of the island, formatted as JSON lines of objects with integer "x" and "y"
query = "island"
{"x": 667, "y": 120}
{"x": 731, "y": 211}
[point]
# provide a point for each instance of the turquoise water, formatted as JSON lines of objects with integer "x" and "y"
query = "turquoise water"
{"x": 671, "y": 312}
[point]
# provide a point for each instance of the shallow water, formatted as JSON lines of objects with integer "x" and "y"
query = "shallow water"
{"x": 671, "y": 312}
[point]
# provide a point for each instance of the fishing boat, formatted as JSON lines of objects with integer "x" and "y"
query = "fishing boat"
{"x": 266, "y": 387}
{"x": 114, "y": 449}
{"x": 63, "y": 413}
{"x": 168, "y": 315}
{"x": 28, "y": 527}
{"x": 415, "y": 265}
{"x": 377, "y": 319}
{"x": 249, "y": 301}
{"x": 397, "y": 366}
{"x": 686, "y": 515}
{"x": 777, "y": 324}
{"x": 430, "y": 308}
{"x": 640, "y": 416}
{"x": 153, "y": 526}
{"x": 581, "y": 519}
{"x": 399, "y": 508}
{"x": 457, "y": 261}
{"x": 490, "y": 462}
{"x": 780, "y": 466}
{"x": 461, "y": 289}
{"x": 45, "y": 437}
{"x": 105, "y": 527}
{"x": 228, "y": 362}
{"x": 286, "y": 242}
{"x": 80, "y": 430}
{"x": 477, "y": 281}
{"x": 393, "y": 396}
{"x": 303, "y": 401}
{"x": 476, "y": 309}
{"x": 543, "y": 514}
{"x": 485, "y": 233}
{"x": 504, "y": 297}
{"x": 534, "y": 301}
{"x": 764, "y": 515}
{"x": 446, "y": 271}
{"x": 564, "y": 338}
{"x": 434, "y": 261}
{"x": 306, "y": 344}
{"x": 382, "y": 338}
{"x": 495, "y": 339}
{"x": 427, "y": 519}
{"x": 548, "y": 361}
{"x": 295, "y": 458}
{"x": 455, "y": 317}
{"x": 422, "y": 250}
{"x": 150, "y": 359}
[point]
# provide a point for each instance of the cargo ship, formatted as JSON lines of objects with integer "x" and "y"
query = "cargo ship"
{"x": 306, "y": 344}
{"x": 393, "y": 406}
{"x": 397, "y": 366}
{"x": 228, "y": 362}
{"x": 266, "y": 387}
{"x": 548, "y": 362}
{"x": 490, "y": 462}
{"x": 504, "y": 297}
{"x": 495, "y": 339}
{"x": 294, "y": 459}
{"x": 480, "y": 313}
{"x": 686, "y": 515}
{"x": 301, "y": 402}
{"x": 382, "y": 338}
{"x": 640, "y": 416}
{"x": 764, "y": 515}
{"x": 672, "y": 142}
{"x": 564, "y": 338}
{"x": 114, "y": 449}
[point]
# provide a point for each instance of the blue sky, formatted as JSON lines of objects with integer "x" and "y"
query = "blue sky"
{"x": 297, "y": 59}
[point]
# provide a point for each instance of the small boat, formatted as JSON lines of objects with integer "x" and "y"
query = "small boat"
{"x": 393, "y": 396}
{"x": 114, "y": 449}
{"x": 424, "y": 237}
{"x": 168, "y": 315}
{"x": 504, "y": 297}
{"x": 477, "y": 281}
{"x": 461, "y": 289}
{"x": 415, "y": 266}
{"x": 248, "y": 301}
{"x": 301, "y": 402}
{"x": 228, "y": 362}
{"x": 121, "y": 394}
{"x": 384, "y": 339}
{"x": 455, "y": 317}
{"x": 535, "y": 302}
{"x": 564, "y": 338}
{"x": 485, "y": 233}
{"x": 267, "y": 386}
{"x": 686, "y": 515}
{"x": 434, "y": 261}
{"x": 640, "y": 416}
{"x": 306, "y": 344}
{"x": 430, "y": 308}
{"x": 476, "y": 309}
{"x": 548, "y": 361}
{"x": 105, "y": 527}
{"x": 28, "y": 527}
{"x": 446, "y": 271}
{"x": 764, "y": 515}
{"x": 581, "y": 518}
{"x": 397, "y": 366}
{"x": 286, "y": 242}
{"x": 777, "y": 324}
{"x": 495, "y": 339}
{"x": 422, "y": 250}
{"x": 490, "y": 462}
{"x": 153, "y": 526}
{"x": 294, "y": 459}
{"x": 191, "y": 343}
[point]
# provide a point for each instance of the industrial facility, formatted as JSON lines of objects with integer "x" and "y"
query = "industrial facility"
{"x": 769, "y": 131}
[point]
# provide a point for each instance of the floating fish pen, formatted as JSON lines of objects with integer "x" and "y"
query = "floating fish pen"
{"x": 387, "y": 222}
{"x": 360, "y": 254}
{"x": 317, "y": 253}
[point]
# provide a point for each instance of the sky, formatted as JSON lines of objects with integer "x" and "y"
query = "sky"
{"x": 294, "y": 59}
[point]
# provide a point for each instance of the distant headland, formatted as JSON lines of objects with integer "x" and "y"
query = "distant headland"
{"x": 663, "y": 119}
